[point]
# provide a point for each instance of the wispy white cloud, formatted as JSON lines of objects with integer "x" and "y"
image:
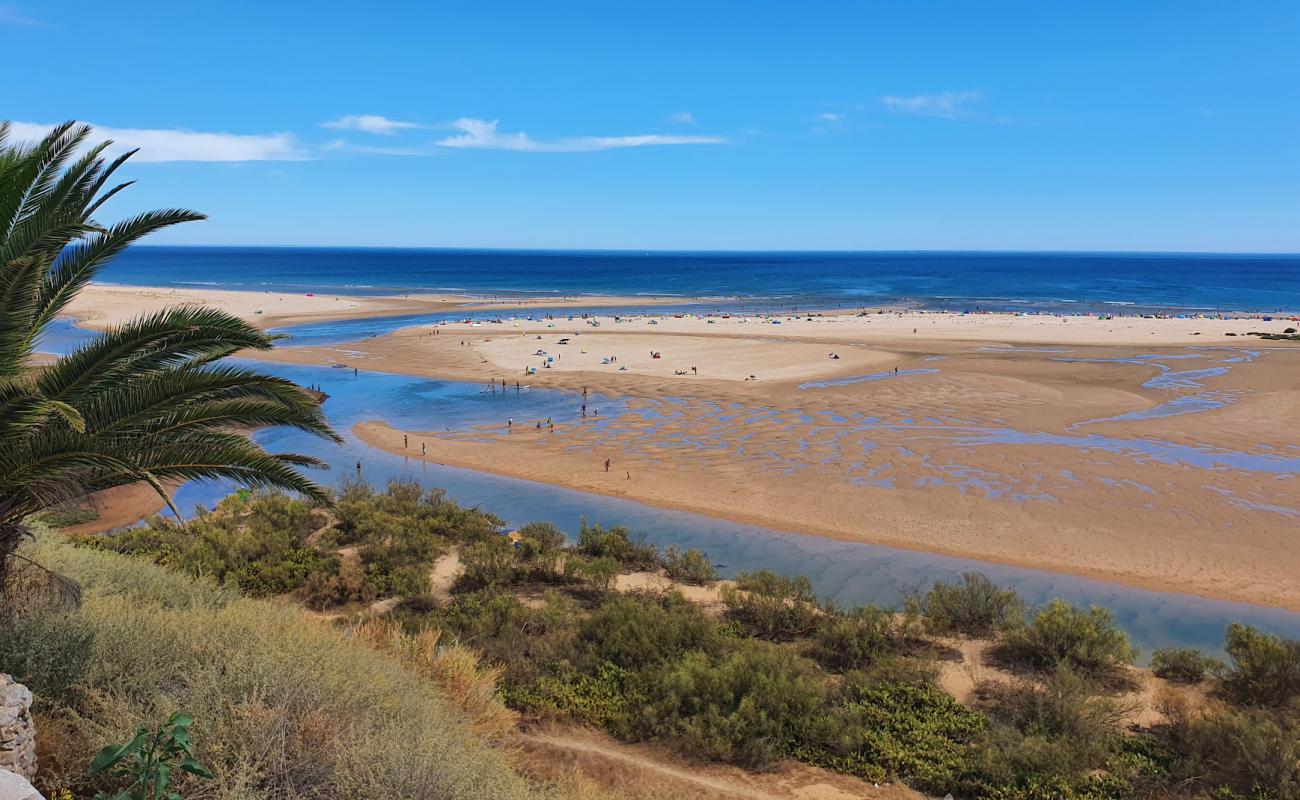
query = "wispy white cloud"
{"x": 682, "y": 118}
{"x": 183, "y": 145}
{"x": 946, "y": 105}
{"x": 830, "y": 116}
{"x": 370, "y": 123}
{"x": 483, "y": 135}
{"x": 14, "y": 17}
{"x": 344, "y": 146}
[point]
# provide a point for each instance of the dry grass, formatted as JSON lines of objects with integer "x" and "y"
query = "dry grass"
{"x": 285, "y": 706}
{"x": 454, "y": 668}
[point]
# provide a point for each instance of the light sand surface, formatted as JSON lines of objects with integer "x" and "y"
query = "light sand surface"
{"x": 900, "y": 326}
{"x": 1008, "y": 454}
{"x": 1032, "y": 440}
{"x": 100, "y": 306}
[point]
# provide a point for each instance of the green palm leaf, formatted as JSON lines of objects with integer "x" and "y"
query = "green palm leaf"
{"x": 148, "y": 401}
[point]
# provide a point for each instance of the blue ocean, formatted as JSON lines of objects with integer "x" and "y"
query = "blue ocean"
{"x": 946, "y": 280}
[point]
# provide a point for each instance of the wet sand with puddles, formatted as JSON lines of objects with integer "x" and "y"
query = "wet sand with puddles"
{"x": 1170, "y": 467}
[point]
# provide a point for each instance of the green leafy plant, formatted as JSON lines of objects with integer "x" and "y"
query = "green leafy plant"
{"x": 148, "y": 761}
{"x": 1265, "y": 668}
{"x": 975, "y": 607}
{"x": 1087, "y": 641}
{"x": 1184, "y": 664}
{"x": 146, "y": 401}
{"x": 690, "y": 566}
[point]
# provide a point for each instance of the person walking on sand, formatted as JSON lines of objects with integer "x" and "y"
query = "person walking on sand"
{"x": 405, "y": 442}
{"x": 510, "y": 423}
{"x": 607, "y": 465}
{"x": 423, "y": 449}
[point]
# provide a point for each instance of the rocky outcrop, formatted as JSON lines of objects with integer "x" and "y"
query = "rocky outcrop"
{"x": 17, "y": 733}
{"x": 15, "y": 787}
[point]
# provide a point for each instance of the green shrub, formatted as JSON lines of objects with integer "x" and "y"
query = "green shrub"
{"x": 1265, "y": 668}
{"x": 526, "y": 642}
{"x": 744, "y": 707}
{"x": 1088, "y": 642}
{"x": 772, "y": 606}
{"x": 635, "y": 632}
{"x": 1063, "y": 706}
{"x": 490, "y": 563}
{"x": 975, "y": 607}
{"x": 49, "y": 653}
{"x": 691, "y": 566}
{"x": 544, "y": 535}
{"x": 855, "y": 639}
{"x": 617, "y": 543}
{"x": 1184, "y": 664}
{"x": 599, "y": 573}
{"x": 1247, "y": 753}
{"x": 917, "y": 733}
{"x": 405, "y": 512}
{"x": 257, "y": 545}
{"x": 603, "y": 699}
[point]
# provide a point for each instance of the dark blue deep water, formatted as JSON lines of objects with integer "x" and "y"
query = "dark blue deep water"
{"x": 1200, "y": 282}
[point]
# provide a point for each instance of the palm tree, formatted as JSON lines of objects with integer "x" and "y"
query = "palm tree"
{"x": 147, "y": 401}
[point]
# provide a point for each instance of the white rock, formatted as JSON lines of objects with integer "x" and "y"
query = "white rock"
{"x": 15, "y": 787}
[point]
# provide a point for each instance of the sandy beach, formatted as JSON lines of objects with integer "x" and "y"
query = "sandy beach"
{"x": 1025, "y": 440}
{"x": 1146, "y": 451}
{"x": 100, "y": 306}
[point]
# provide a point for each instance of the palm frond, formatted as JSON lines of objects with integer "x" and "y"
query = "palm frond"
{"x": 145, "y": 402}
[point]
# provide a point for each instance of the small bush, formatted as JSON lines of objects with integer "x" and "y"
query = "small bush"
{"x": 772, "y": 606}
{"x": 490, "y": 563}
{"x": 975, "y": 607}
{"x": 690, "y": 566}
{"x": 634, "y": 632}
{"x": 855, "y": 639}
{"x": 1265, "y": 668}
{"x": 1184, "y": 665}
{"x": 617, "y": 543}
{"x": 887, "y": 730}
{"x": 1065, "y": 706}
{"x": 1088, "y": 642}
{"x": 49, "y": 653}
{"x": 544, "y": 535}
{"x": 599, "y": 573}
{"x": 1236, "y": 753}
{"x": 743, "y": 707}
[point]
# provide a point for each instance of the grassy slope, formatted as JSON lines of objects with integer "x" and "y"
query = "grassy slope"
{"x": 285, "y": 707}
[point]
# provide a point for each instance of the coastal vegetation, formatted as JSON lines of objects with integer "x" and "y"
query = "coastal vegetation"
{"x": 750, "y": 671}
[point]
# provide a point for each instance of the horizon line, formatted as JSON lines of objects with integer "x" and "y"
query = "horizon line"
{"x": 671, "y": 251}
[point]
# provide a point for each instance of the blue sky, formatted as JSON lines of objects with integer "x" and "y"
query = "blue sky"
{"x": 752, "y": 124}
